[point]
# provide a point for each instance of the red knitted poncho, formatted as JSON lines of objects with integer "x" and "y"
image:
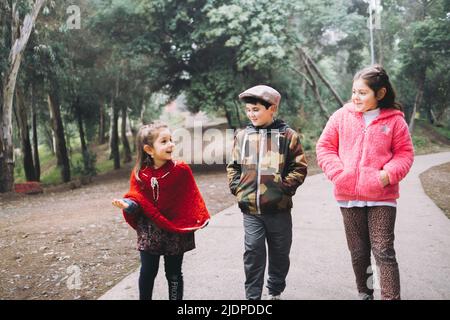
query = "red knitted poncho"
{"x": 173, "y": 204}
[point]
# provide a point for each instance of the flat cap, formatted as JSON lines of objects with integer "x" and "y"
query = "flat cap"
{"x": 263, "y": 92}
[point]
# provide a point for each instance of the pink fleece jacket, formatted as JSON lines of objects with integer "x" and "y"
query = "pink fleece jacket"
{"x": 352, "y": 156}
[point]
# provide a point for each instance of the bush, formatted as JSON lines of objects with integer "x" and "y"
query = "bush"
{"x": 86, "y": 165}
{"x": 419, "y": 142}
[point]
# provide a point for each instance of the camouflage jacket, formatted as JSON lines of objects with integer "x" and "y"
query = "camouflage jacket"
{"x": 266, "y": 168}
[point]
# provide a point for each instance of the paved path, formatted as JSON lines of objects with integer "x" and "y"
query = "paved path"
{"x": 320, "y": 261}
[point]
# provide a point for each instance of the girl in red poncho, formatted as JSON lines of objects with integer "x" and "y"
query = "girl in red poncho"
{"x": 164, "y": 206}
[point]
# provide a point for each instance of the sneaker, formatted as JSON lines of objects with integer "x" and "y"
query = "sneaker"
{"x": 365, "y": 296}
{"x": 274, "y": 297}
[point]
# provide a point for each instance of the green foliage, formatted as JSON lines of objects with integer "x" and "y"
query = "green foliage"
{"x": 444, "y": 131}
{"x": 256, "y": 29}
{"x": 52, "y": 177}
{"x": 85, "y": 165}
{"x": 424, "y": 50}
{"x": 419, "y": 142}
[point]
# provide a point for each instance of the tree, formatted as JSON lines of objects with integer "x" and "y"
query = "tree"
{"x": 24, "y": 132}
{"x": 427, "y": 43}
{"x": 20, "y": 38}
{"x": 212, "y": 50}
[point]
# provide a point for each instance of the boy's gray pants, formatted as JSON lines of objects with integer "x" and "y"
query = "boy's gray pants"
{"x": 277, "y": 230}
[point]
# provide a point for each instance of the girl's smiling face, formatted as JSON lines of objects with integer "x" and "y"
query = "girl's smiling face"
{"x": 162, "y": 148}
{"x": 363, "y": 97}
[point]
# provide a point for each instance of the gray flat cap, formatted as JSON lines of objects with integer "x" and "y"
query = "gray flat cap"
{"x": 263, "y": 92}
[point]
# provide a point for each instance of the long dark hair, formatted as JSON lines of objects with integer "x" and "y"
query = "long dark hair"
{"x": 147, "y": 134}
{"x": 376, "y": 78}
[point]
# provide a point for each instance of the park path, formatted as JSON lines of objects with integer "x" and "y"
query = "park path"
{"x": 320, "y": 261}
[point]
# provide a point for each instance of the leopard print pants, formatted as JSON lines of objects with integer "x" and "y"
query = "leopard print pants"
{"x": 372, "y": 228}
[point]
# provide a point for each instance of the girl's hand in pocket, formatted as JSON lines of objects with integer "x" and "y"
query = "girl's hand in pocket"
{"x": 384, "y": 178}
{"x": 120, "y": 204}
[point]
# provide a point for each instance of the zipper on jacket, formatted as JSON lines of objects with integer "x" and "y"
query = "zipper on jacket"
{"x": 359, "y": 158}
{"x": 258, "y": 170}
{"x": 363, "y": 143}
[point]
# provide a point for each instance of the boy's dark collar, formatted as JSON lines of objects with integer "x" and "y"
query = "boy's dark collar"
{"x": 276, "y": 124}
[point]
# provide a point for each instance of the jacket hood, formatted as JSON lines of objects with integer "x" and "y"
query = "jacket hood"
{"x": 384, "y": 112}
{"x": 277, "y": 124}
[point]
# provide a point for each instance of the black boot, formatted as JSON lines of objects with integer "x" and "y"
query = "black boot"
{"x": 175, "y": 287}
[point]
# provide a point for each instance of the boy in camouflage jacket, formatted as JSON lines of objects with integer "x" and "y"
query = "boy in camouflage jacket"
{"x": 266, "y": 168}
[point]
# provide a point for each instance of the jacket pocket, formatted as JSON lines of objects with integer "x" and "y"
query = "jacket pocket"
{"x": 246, "y": 191}
{"x": 236, "y": 184}
{"x": 369, "y": 184}
{"x": 278, "y": 182}
{"x": 345, "y": 182}
{"x": 273, "y": 198}
{"x": 271, "y": 190}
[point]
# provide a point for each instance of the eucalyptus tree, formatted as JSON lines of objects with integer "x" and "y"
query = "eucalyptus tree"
{"x": 16, "y": 40}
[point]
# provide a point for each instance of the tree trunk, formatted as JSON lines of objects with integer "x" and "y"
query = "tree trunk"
{"x": 49, "y": 140}
{"x": 36, "y": 161}
{"x": 236, "y": 106}
{"x": 114, "y": 127}
{"x": 324, "y": 111}
{"x": 228, "y": 116}
{"x": 432, "y": 117}
{"x": 101, "y": 129}
{"x": 123, "y": 132}
{"x": 378, "y": 35}
{"x": 321, "y": 77}
{"x": 111, "y": 121}
{"x": 134, "y": 133}
{"x": 52, "y": 133}
{"x": 16, "y": 117}
{"x": 68, "y": 145}
{"x": 84, "y": 149}
{"x": 60, "y": 140}
{"x": 143, "y": 106}
{"x": 114, "y": 141}
{"x": 8, "y": 86}
{"x": 28, "y": 165}
{"x": 114, "y": 135}
{"x": 418, "y": 99}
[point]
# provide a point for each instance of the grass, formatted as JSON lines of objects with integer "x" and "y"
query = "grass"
{"x": 105, "y": 166}
{"x": 51, "y": 174}
{"x": 443, "y": 131}
{"x": 430, "y": 139}
{"x": 52, "y": 177}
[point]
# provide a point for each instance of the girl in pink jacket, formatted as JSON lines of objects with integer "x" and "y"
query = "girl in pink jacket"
{"x": 365, "y": 150}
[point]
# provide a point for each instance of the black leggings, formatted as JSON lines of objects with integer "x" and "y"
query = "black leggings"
{"x": 149, "y": 270}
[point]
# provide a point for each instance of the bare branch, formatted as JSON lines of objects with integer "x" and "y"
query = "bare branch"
{"x": 325, "y": 112}
{"x": 303, "y": 75}
{"x": 322, "y": 77}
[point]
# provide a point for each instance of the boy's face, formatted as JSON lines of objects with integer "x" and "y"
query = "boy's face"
{"x": 259, "y": 115}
